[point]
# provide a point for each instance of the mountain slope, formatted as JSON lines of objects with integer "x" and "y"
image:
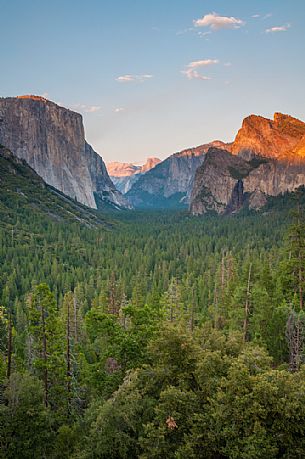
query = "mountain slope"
{"x": 24, "y": 196}
{"x": 52, "y": 141}
{"x": 267, "y": 159}
{"x": 169, "y": 183}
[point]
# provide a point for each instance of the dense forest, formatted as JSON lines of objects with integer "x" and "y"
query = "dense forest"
{"x": 154, "y": 335}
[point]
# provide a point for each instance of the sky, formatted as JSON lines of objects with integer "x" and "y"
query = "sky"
{"x": 154, "y": 77}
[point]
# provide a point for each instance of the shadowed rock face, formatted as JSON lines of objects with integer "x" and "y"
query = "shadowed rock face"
{"x": 51, "y": 140}
{"x": 170, "y": 182}
{"x": 268, "y": 159}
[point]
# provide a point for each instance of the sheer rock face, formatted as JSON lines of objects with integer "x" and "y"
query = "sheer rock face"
{"x": 150, "y": 164}
{"x": 224, "y": 183}
{"x": 51, "y": 140}
{"x": 267, "y": 158}
{"x": 170, "y": 182}
{"x": 280, "y": 138}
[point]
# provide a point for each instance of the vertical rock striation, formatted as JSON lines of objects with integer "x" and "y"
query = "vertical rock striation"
{"x": 169, "y": 183}
{"x": 51, "y": 140}
{"x": 267, "y": 159}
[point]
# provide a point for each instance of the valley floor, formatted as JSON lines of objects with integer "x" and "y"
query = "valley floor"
{"x": 152, "y": 334}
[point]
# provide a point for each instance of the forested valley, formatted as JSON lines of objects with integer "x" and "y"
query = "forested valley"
{"x": 153, "y": 335}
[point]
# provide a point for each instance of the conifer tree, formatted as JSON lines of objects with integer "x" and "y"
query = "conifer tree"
{"x": 46, "y": 346}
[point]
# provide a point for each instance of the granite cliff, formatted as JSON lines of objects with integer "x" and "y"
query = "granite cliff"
{"x": 51, "y": 140}
{"x": 170, "y": 182}
{"x": 267, "y": 158}
{"x": 278, "y": 138}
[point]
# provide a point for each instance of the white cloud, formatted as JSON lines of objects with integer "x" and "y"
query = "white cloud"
{"x": 192, "y": 73}
{"x": 228, "y": 64}
{"x": 255, "y": 16}
{"x": 86, "y": 108}
{"x": 92, "y": 109}
{"x": 202, "y": 63}
{"x": 283, "y": 28}
{"x": 133, "y": 78}
{"x": 216, "y": 22}
{"x": 119, "y": 109}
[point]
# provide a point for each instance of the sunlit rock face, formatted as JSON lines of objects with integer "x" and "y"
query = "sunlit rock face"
{"x": 124, "y": 175}
{"x": 280, "y": 138}
{"x": 51, "y": 139}
{"x": 267, "y": 158}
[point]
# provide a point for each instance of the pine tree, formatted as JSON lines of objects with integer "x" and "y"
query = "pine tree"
{"x": 46, "y": 345}
{"x": 295, "y": 288}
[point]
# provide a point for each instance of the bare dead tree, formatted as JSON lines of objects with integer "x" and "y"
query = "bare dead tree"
{"x": 295, "y": 336}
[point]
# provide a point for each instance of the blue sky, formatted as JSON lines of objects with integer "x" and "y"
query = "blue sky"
{"x": 154, "y": 77}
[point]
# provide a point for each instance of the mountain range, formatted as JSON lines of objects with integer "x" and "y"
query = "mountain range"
{"x": 124, "y": 175}
{"x": 169, "y": 183}
{"x": 267, "y": 158}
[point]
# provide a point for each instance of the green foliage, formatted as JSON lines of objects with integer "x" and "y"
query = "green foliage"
{"x": 25, "y": 424}
{"x": 164, "y": 337}
{"x": 223, "y": 400}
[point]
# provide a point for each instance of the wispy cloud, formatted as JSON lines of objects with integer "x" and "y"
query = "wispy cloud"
{"x": 204, "y": 34}
{"x": 217, "y": 22}
{"x": 261, "y": 16}
{"x": 133, "y": 78}
{"x": 191, "y": 71}
{"x": 92, "y": 109}
{"x": 275, "y": 29}
{"x": 184, "y": 31}
{"x": 86, "y": 108}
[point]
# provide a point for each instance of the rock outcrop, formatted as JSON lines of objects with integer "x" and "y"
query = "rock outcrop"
{"x": 267, "y": 159}
{"x": 124, "y": 175}
{"x": 278, "y": 138}
{"x": 51, "y": 140}
{"x": 170, "y": 182}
